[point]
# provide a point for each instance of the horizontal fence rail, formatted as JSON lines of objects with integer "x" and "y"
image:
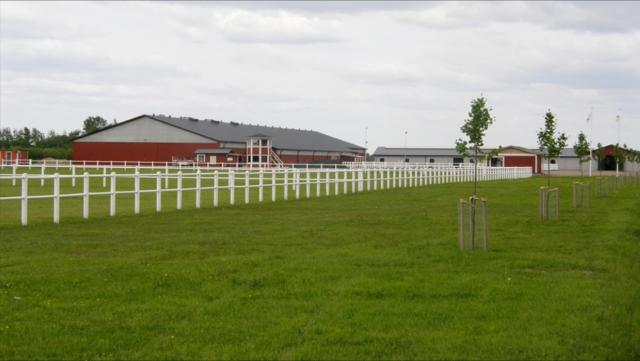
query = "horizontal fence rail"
{"x": 186, "y": 164}
{"x": 275, "y": 182}
{"x": 95, "y": 164}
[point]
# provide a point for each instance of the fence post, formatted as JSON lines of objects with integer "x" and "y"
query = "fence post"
{"x": 25, "y": 198}
{"x": 308, "y": 182}
{"x": 166, "y": 174}
{"x": 13, "y": 174}
{"x": 247, "y": 182}
{"x": 56, "y": 198}
{"x": 393, "y": 175}
{"x": 232, "y": 187}
{"x": 327, "y": 184}
{"x": 216, "y": 186}
{"x": 136, "y": 191}
{"x": 345, "y": 181}
{"x": 85, "y": 195}
{"x": 286, "y": 184}
{"x": 273, "y": 185}
{"x": 179, "y": 191}
{"x": 261, "y": 185}
{"x": 158, "y": 192}
{"x": 104, "y": 177}
{"x": 404, "y": 177}
{"x": 353, "y": 181}
{"x": 318, "y": 183}
{"x": 297, "y": 183}
{"x": 368, "y": 176}
{"x": 336, "y": 180}
{"x": 41, "y": 175}
{"x": 112, "y": 195}
{"x": 375, "y": 180}
{"x": 73, "y": 176}
{"x": 198, "y": 187}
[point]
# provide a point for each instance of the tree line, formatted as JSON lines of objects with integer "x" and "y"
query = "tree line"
{"x": 51, "y": 144}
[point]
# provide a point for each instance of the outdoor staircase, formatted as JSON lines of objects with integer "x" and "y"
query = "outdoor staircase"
{"x": 275, "y": 160}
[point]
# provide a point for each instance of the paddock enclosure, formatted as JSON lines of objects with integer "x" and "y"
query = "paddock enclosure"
{"x": 56, "y": 191}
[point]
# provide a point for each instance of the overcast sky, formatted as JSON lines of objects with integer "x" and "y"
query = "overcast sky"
{"x": 334, "y": 67}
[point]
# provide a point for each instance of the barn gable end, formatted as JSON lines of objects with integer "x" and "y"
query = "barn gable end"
{"x": 144, "y": 130}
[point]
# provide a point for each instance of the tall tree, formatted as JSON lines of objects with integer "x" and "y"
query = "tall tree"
{"x": 551, "y": 144}
{"x": 583, "y": 150}
{"x": 91, "y": 124}
{"x": 474, "y": 128}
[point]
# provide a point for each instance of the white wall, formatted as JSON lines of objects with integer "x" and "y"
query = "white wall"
{"x": 145, "y": 130}
{"x": 420, "y": 159}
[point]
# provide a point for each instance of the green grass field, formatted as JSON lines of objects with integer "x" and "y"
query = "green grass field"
{"x": 374, "y": 275}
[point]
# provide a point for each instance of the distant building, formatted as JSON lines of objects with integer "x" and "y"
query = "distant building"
{"x": 509, "y": 156}
{"x": 171, "y": 139}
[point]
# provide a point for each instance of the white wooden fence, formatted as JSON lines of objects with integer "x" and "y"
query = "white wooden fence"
{"x": 275, "y": 181}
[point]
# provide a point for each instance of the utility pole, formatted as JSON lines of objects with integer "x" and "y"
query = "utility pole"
{"x": 618, "y": 121}
{"x": 590, "y": 121}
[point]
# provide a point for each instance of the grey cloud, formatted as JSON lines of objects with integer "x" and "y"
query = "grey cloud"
{"x": 581, "y": 16}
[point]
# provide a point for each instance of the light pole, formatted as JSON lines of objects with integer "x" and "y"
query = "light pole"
{"x": 618, "y": 145}
{"x": 405, "y": 147}
{"x": 590, "y": 121}
{"x": 366, "y": 142}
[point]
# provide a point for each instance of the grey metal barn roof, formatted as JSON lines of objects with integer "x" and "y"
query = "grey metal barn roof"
{"x": 232, "y": 132}
{"x": 282, "y": 138}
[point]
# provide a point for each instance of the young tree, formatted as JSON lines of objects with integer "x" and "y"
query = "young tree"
{"x": 632, "y": 155}
{"x": 91, "y": 124}
{"x": 550, "y": 144}
{"x": 619, "y": 156}
{"x": 474, "y": 128}
{"x": 582, "y": 149}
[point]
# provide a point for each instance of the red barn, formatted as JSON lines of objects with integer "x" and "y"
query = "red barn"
{"x": 162, "y": 138}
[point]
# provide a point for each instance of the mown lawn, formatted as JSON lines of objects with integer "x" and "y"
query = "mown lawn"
{"x": 367, "y": 276}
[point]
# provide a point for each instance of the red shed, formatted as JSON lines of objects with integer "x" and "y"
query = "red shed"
{"x": 513, "y": 156}
{"x": 13, "y": 156}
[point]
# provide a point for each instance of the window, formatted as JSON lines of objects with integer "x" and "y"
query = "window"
{"x": 265, "y": 142}
{"x": 553, "y": 161}
{"x": 255, "y": 159}
{"x": 471, "y": 161}
{"x": 382, "y": 159}
{"x": 431, "y": 160}
{"x": 7, "y": 155}
{"x": 458, "y": 160}
{"x": 255, "y": 142}
{"x": 200, "y": 158}
{"x": 406, "y": 160}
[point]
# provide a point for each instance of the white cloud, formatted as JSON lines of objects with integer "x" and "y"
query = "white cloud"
{"x": 334, "y": 67}
{"x": 277, "y": 27}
